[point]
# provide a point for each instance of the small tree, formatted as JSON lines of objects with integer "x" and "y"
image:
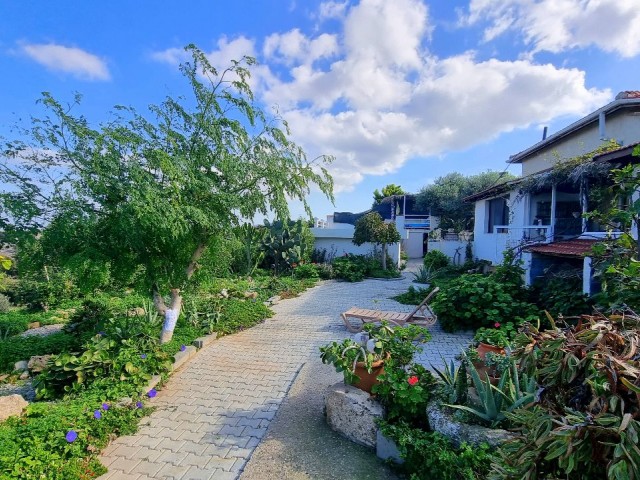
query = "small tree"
{"x": 372, "y": 228}
{"x": 388, "y": 191}
{"x": 158, "y": 189}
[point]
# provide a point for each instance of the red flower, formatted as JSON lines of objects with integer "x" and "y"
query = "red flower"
{"x": 497, "y": 324}
{"x": 412, "y": 380}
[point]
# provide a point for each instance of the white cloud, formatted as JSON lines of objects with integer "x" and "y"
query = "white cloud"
{"x": 332, "y": 9}
{"x": 379, "y": 97}
{"x": 559, "y": 25}
{"x": 72, "y": 60}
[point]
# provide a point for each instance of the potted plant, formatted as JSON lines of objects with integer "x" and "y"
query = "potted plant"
{"x": 361, "y": 359}
{"x": 494, "y": 339}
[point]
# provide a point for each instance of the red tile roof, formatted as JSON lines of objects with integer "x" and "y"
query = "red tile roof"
{"x": 567, "y": 248}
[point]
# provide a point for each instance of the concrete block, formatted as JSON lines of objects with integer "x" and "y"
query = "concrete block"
{"x": 386, "y": 449}
{"x": 183, "y": 356}
{"x": 202, "y": 342}
{"x": 352, "y": 413}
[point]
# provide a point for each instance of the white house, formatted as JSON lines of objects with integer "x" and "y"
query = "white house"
{"x": 541, "y": 212}
{"x": 336, "y": 233}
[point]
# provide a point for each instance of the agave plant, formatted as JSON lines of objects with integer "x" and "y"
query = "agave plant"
{"x": 496, "y": 401}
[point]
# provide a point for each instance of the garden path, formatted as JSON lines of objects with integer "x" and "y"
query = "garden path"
{"x": 213, "y": 412}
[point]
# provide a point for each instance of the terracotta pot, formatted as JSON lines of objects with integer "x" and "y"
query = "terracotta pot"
{"x": 368, "y": 380}
{"x": 484, "y": 371}
{"x": 484, "y": 348}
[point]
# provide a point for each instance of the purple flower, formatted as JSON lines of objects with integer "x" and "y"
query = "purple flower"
{"x": 105, "y": 406}
{"x": 143, "y": 356}
{"x": 139, "y": 405}
{"x": 97, "y": 415}
{"x": 152, "y": 393}
{"x": 182, "y": 348}
{"x": 71, "y": 436}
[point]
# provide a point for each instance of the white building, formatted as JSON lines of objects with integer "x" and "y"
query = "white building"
{"x": 546, "y": 222}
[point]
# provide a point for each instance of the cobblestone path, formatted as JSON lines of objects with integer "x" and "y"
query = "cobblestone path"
{"x": 214, "y": 411}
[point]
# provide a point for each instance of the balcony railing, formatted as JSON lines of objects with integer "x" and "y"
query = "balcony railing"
{"x": 417, "y": 222}
{"x": 526, "y": 234}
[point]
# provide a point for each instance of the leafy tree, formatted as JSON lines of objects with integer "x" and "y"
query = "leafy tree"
{"x": 445, "y": 197}
{"x": 389, "y": 190}
{"x": 372, "y": 228}
{"x": 157, "y": 189}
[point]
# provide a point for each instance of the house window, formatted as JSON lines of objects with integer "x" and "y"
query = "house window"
{"x": 497, "y": 214}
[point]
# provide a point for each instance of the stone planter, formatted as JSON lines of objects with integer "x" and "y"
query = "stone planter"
{"x": 386, "y": 449}
{"x": 443, "y": 422}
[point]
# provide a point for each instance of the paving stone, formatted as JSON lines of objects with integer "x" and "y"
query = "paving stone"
{"x": 220, "y": 403}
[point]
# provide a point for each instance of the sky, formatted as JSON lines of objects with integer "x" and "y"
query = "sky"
{"x": 398, "y": 91}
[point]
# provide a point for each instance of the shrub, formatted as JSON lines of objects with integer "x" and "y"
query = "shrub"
{"x": 306, "y": 270}
{"x": 431, "y": 456}
{"x": 349, "y": 268}
{"x": 562, "y": 296}
{"x": 239, "y": 315}
{"x": 474, "y": 301}
{"x": 435, "y": 259}
{"x": 405, "y": 392}
{"x": 35, "y": 446}
{"x": 583, "y": 424}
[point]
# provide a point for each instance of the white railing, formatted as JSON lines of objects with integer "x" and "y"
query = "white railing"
{"x": 417, "y": 222}
{"x": 527, "y": 233}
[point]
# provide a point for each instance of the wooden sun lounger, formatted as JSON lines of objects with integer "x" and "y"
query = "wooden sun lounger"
{"x": 422, "y": 315}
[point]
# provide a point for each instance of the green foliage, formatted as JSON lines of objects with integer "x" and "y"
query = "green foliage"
{"x": 494, "y": 402}
{"x": 561, "y": 294}
{"x": 239, "y": 315}
{"x": 249, "y": 254}
{"x": 472, "y": 301}
{"x": 431, "y": 456}
{"x": 424, "y": 275}
{"x": 38, "y": 294}
{"x": 445, "y": 197}
{"x": 354, "y": 268}
{"x": 285, "y": 244}
{"x": 34, "y": 446}
{"x": 413, "y": 296}
{"x": 155, "y": 190}
{"x": 435, "y": 260}
{"x": 583, "y": 426}
{"x": 617, "y": 266}
{"x": 499, "y": 335}
{"x": 307, "y": 270}
{"x": 14, "y": 349}
{"x": 454, "y": 378}
{"x": 404, "y": 393}
{"x": 376, "y": 343}
{"x": 372, "y": 228}
{"x": 387, "y": 191}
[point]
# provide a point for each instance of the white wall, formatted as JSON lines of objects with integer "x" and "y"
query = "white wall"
{"x": 412, "y": 244}
{"x": 622, "y": 126}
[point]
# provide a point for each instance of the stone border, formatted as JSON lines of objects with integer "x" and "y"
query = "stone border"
{"x": 443, "y": 422}
{"x": 182, "y": 357}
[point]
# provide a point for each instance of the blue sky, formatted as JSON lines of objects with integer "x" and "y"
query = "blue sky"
{"x": 398, "y": 91}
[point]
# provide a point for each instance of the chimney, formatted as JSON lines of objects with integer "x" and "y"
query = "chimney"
{"x": 544, "y": 133}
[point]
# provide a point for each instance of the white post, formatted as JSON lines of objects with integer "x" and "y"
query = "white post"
{"x": 552, "y": 227}
{"x": 584, "y": 202}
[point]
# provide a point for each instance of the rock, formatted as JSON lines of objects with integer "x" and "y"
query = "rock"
{"x": 352, "y": 413}
{"x": 21, "y": 366}
{"x": 442, "y": 422}
{"x": 11, "y": 405}
{"x": 38, "y": 363}
{"x": 386, "y": 449}
{"x": 124, "y": 402}
{"x": 252, "y": 295}
{"x": 24, "y": 375}
{"x": 273, "y": 300}
{"x": 33, "y": 325}
{"x": 136, "y": 312}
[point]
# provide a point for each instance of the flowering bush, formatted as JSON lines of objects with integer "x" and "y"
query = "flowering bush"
{"x": 405, "y": 393}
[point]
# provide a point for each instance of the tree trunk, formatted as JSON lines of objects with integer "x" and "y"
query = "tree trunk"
{"x": 172, "y": 313}
{"x": 384, "y": 256}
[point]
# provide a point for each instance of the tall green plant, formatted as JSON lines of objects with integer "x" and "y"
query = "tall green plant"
{"x": 158, "y": 188}
{"x": 372, "y": 228}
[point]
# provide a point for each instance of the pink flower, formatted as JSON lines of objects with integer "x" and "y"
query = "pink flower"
{"x": 412, "y": 380}
{"x": 497, "y": 324}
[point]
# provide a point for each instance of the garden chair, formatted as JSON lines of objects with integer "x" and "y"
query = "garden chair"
{"x": 422, "y": 315}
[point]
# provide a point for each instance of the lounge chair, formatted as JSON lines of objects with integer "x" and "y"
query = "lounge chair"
{"x": 422, "y": 315}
